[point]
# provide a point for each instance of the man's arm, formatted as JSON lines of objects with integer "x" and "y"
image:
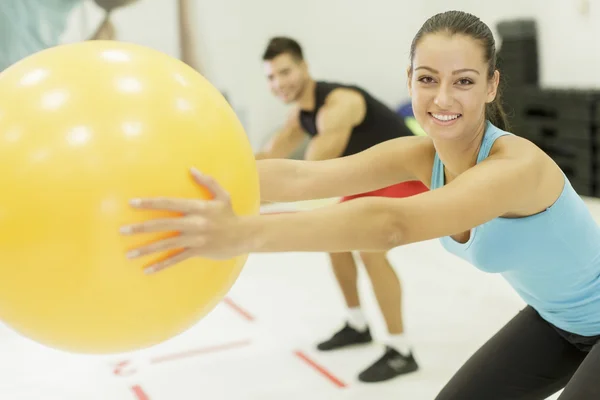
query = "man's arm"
{"x": 342, "y": 111}
{"x": 283, "y": 143}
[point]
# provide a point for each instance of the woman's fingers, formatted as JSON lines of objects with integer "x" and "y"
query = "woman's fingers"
{"x": 172, "y": 243}
{"x": 168, "y": 262}
{"x": 184, "y": 206}
{"x": 178, "y": 224}
{"x": 219, "y": 194}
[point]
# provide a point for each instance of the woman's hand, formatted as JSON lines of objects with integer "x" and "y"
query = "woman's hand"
{"x": 207, "y": 228}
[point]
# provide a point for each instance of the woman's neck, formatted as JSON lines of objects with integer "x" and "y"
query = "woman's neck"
{"x": 458, "y": 155}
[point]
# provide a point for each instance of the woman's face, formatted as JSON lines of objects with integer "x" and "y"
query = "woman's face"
{"x": 449, "y": 85}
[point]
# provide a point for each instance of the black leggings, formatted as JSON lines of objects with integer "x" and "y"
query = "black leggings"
{"x": 529, "y": 359}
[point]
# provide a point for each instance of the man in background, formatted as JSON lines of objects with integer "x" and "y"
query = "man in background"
{"x": 342, "y": 120}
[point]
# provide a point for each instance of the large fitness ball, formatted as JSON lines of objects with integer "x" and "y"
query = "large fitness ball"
{"x": 84, "y": 128}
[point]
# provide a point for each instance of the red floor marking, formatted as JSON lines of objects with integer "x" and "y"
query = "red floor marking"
{"x": 126, "y": 368}
{"x": 121, "y": 369}
{"x": 239, "y": 309}
{"x": 139, "y": 393}
{"x": 321, "y": 370}
{"x": 195, "y": 352}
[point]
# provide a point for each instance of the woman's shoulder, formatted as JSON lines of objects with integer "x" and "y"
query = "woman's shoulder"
{"x": 509, "y": 145}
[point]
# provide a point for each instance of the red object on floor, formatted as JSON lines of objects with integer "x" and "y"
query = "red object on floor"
{"x": 195, "y": 352}
{"x": 322, "y": 370}
{"x": 245, "y": 314}
{"x": 139, "y": 393}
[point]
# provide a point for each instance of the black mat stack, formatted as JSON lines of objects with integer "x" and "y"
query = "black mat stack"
{"x": 565, "y": 123}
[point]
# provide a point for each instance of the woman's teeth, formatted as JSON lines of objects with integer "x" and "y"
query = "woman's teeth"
{"x": 445, "y": 117}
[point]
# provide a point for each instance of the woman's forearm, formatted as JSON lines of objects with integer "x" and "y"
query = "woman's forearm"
{"x": 284, "y": 180}
{"x": 280, "y": 180}
{"x": 361, "y": 224}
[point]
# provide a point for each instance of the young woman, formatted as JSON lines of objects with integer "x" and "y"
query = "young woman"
{"x": 495, "y": 200}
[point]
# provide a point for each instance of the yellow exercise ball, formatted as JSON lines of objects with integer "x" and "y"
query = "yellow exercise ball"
{"x": 84, "y": 128}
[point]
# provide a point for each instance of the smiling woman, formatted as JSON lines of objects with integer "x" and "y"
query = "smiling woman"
{"x": 497, "y": 201}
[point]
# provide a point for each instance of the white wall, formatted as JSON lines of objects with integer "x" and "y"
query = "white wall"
{"x": 356, "y": 41}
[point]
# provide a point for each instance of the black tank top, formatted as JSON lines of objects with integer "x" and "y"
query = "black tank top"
{"x": 379, "y": 124}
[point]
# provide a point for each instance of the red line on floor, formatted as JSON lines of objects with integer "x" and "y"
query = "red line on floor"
{"x": 195, "y": 352}
{"x": 245, "y": 314}
{"x": 139, "y": 393}
{"x": 121, "y": 368}
{"x": 332, "y": 378}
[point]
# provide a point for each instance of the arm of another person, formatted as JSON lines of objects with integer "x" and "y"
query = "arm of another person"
{"x": 506, "y": 182}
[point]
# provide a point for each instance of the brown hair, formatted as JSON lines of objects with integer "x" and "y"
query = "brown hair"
{"x": 459, "y": 22}
{"x": 280, "y": 45}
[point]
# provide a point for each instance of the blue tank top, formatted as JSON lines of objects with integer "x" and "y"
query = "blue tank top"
{"x": 551, "y": 259}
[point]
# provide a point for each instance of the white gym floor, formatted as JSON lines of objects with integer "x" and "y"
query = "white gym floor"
{"x": 259, "y": 343}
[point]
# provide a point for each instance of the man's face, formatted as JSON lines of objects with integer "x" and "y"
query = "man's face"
{"x": 286, "y": 76}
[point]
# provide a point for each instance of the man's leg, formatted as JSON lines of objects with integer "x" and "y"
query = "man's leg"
{"x": 387, "y": 288}
{"x": 356, "y": 329}
{"x": 397, "y": 358}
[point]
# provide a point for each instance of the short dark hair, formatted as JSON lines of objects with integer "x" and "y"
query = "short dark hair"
{"x": 281, "y": 44}
{"x": 458, "y": 22}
